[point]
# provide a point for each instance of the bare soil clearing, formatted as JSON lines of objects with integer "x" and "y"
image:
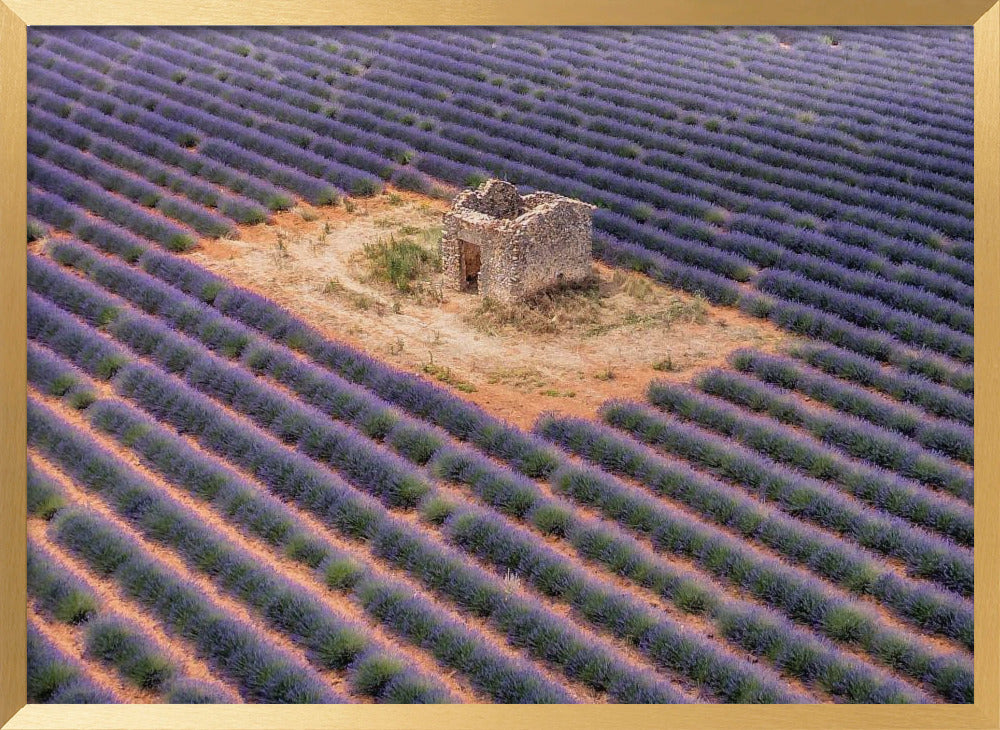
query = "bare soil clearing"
{"x": 567, "y": 352}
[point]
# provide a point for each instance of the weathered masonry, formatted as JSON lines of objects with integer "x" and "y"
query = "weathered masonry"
{"x": 508, "y": 246}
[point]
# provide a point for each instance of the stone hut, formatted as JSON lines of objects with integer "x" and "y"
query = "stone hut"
{"x": 508, "y": 246}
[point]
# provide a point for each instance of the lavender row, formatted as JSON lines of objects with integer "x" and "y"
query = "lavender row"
{"x": 943, "y": 436}
{"x": 756, "y": 630}
{"x": 931, "y": 397}
{"x": 331, "y": 641}
{"x": 99, "y": 126}
{"x": 81, "y": 345}
{"x": 109, "y": 638}
{"x": 341, "y": 401}
{"x": 45, "y": 496}
{"x": 189, "y": 315}
{"x": 817, "y": 324}
{"x": 263, "y": 672}
{"x": 698, "y": 281}
{"x": 124, "y": 645}
{"x": 238, "y": 209}
{"x": 606, "y": 116}
{"x": 931, "y": 609}
{"x": 504, "y": 679}
{"x": 948, "y": 47}
{"x": 296, "y": 477}
{"x": 116, "y": 181}
{"x": 903, "y": 252}
{"x": 52, "y": 376}
{"x": 303, "y": 61}
{"x": 867, "y": 313}
{"x": 526, "y": 121}
{"x": 56, "y": 593}
{"x": 401, "y": 52}
{"x": 102, "y": 203}
{"x": 285, "y": 368}
{"x": 796, "y": 247}
{"x": 517, "y": 48}
{"x": 116, "y": 641}
{"x": 332, "y": 444}
{"x": 847, "y": 435}
{"x": 71, "y": 218}
{"x": 924, "y": 555}
{"x": 684, "y": 96}
{"x": 53, "y": 677}
{"x": 36, "y": 230}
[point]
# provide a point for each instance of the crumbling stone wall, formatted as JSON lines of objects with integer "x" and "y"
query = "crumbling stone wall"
{"x": 523, "y": 244}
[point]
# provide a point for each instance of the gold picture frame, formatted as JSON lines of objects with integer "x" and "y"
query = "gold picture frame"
{"x": 16, "y": 15}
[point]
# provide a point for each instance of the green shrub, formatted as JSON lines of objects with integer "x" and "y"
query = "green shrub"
{"x": 371, "y": 674}
{"x": 342, "y": 573}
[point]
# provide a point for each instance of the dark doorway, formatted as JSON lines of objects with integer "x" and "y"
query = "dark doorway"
{"x": 471, "y": 263}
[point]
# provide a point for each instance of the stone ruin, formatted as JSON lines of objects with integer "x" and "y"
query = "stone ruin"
{"x": 508, "y": 246}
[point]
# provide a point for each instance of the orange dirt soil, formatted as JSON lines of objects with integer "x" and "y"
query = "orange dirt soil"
{"x": 596, "y": 347}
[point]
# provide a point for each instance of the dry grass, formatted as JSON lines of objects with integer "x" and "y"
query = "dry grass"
{"x": 447, "y": 376}
{"x": 523, "y": 378}
{"x": 594, "y": 307}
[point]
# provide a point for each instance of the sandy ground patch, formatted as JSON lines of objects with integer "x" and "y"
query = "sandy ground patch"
{"x": 570, "y": 355}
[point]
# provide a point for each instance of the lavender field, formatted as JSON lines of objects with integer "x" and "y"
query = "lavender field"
{"x": 230, "y": 503}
